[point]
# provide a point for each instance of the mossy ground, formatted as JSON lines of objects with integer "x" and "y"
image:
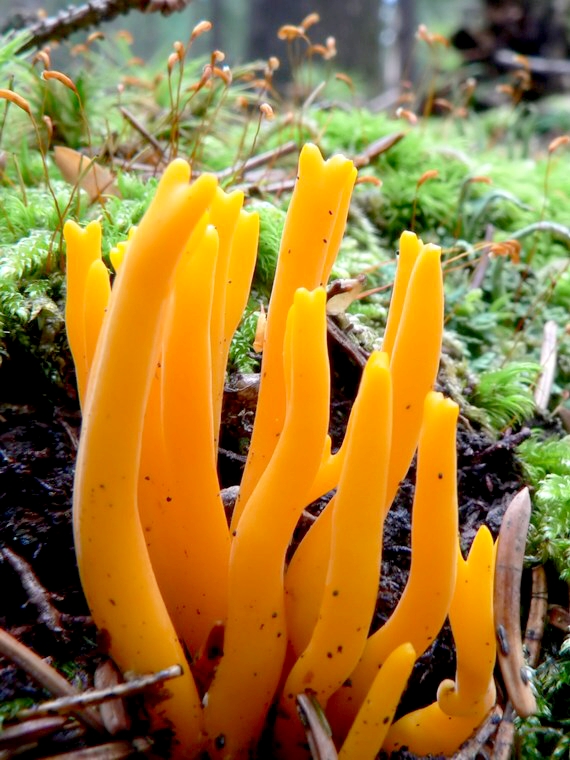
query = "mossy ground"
{"x": 472, "y": 183}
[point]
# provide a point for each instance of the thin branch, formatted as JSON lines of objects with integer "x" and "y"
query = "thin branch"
{"x": 92, "y": 13}
{"x": 39, "y": 596}
{"x": 45, "y": 675}
{"x": 91, "y": 697}
{"x": 536, "y": 615}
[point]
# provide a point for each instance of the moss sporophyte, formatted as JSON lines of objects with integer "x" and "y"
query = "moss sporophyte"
{"x": 159, "y": 564}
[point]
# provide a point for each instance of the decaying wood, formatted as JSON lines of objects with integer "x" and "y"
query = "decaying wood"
{"x": 507, "y": 603}
{"x": 113, "y": 712}
{"x": 536, "y": 616}
{"x": 45, "y": 675}
{"x": 559, "y": 617}
{"x": 92, "y": 13}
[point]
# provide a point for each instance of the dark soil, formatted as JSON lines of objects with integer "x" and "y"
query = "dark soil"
{"x": 42, "y": 603}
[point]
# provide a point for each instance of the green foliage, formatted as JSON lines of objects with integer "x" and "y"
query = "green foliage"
{"x": 9, "y": 47}
{"x": 506, "y": 394}
{"x": 242, "y": 357}
{"x": 271, "y": 221}
{"x": 541, "y": 457}
{"x": 9, "y": 709}
{"x": 547, "y": 734}
{"x": 549, "y": 536}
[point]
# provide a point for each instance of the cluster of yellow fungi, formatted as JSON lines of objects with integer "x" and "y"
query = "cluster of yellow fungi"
{"x": 160, "y": 566}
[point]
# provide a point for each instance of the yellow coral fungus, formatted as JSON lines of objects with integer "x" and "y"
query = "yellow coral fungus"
{"x": 160, "y": 566}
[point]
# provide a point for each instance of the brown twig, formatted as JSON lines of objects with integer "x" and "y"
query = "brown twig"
{"x": 261, "y": 159}
{"x": 45, "y": 675}
{"x": 473, "y": 746}
{"x": 507, "y": 603}
{"x": 71, "y": 702}
{"x": 92, "y": 13}
{"x": 507, "y": 443}
{"x": 39, "y": 596}
{"x": 376, "y": 149}
{"x": 142, "y": 130}
{"x": 505, "y": 735}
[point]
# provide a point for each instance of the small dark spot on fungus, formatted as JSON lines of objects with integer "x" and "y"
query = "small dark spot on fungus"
{"x": 103, "y": 640}
{"x": 325, "y": 241}
{"x": 279, "y": 634}
{"x": 147, "y": 477}
{"x": 113, "y": 602}
{"x": 329, "y": 655}
{"x": 273, "y": 614}
{"x": 102, "y": 485}
{"x": 330, "y": 212}
{"x": 386, "y": 719}
{"x": 440, "y": 475}
{"x": 348, "y": 682}
{"x": 169, "y": 498}
{"x": 409, "y": 406}
{"x": 339, "y": 648}
{"x": 335, "y": 592}
{"x": 220, "y": 741}
{"x": 262, "y": 626}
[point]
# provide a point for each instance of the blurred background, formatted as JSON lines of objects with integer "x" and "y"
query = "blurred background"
{"x": 375, "y": 39}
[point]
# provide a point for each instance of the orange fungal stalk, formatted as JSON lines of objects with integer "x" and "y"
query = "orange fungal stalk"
{"x": 164, "y": 573}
